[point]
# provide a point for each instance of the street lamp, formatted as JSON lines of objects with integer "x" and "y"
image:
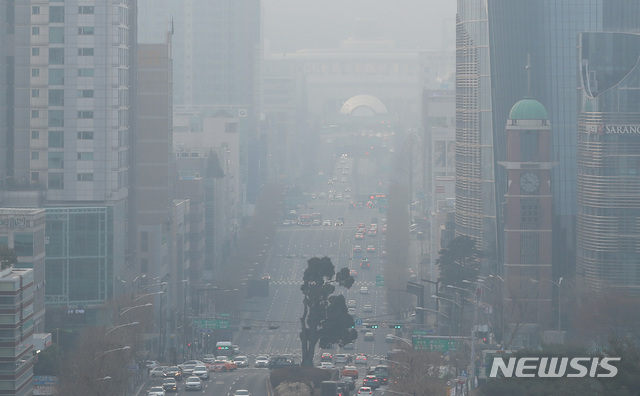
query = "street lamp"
{"x": 137, "y": 306}
{"x": 406, "y": 341}
{"x": 559, "y": 284}
{"x": 124, "y": 348}
{"x": 153, "y": 284}
{"x": 472, "y": 370}
{"x": 146, "y": 295}
{"x": 432, "y": 310}
{"x": 123, "y": 325}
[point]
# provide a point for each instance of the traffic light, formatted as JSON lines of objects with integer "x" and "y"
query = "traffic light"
{"x": 395, "y": 326}
{"x": 372, "y": 197}
{"x": 372, "y": 326}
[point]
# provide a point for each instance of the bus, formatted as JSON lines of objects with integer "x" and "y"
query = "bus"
{"x": 224, "y": 348}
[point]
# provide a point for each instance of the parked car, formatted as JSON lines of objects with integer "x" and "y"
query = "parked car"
{"x": 170, "y": 385}
{"x": 222, "y": 365}
{"x": 157, "y": 372}
{"x": 201, "y": 372}
{"x": 156, "y": 391}
{"x": 193, "y": 383}
{"x": 241, "y": 361}
{"x": 261, "y": 361}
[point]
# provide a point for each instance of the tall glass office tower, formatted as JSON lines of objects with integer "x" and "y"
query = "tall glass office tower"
{"x": 608, "y": 237}
{"x": 493, "y": 40}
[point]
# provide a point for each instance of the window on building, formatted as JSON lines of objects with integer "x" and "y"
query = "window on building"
{"x": 35, "y": 72}
{"x": 85, "y": 10}
{"x": 35, "y": 176}
{"x": 35, "y": 113}
{"x": 85, "y": 93}
{"x": 35, "y": 10}
{"x": 85, "y": 51}
{"x": 56, "y": 97}
{"x": 23, "y": 244}
{"x": 56, "y": 56}
{"x": 35, "y": 31}
{"x": 35, "y": 155}
{"x": 85, "y": 156}
{"x": 85, "y": 114}
{"x": 56, "y": 14}
{"x": 35, "y": 93}
{"x": 56, "y": 139}
{"x": 86, "y": 31}
{"x": 85, "y": 176}
{"x": 35, "y": 134}
{"x": 56, "y": 160}
{"x": 56, "y": 35}
{"x": 85, "y": 135}
{"x": 56, "y": 118}
{"x": 56, "y": 180}
{"x": 56, "y": 76}
{"x": 35, "y": 51}
{"x": 85, "y": 72}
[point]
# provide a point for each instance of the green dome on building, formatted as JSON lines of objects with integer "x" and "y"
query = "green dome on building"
{"x": 528, "y": 109}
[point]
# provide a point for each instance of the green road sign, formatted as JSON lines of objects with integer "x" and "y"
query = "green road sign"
{"x": 379, "y": 280}
{"x": 430, "y": 344}
{"x": 211, "y": 323}
{"x": 420, "y": 332}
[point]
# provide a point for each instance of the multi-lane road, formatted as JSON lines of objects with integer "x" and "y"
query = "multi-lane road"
{"x": 270, "y": 326}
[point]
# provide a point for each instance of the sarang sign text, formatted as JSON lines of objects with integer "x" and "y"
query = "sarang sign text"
{"x": 555, "y": 367}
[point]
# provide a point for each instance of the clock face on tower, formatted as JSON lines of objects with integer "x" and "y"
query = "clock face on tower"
{"x": 529, "y": 182}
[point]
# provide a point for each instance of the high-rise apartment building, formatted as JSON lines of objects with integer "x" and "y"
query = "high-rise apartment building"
{"x": 66, "y": 84}
{"x": 608, "y": 227}
{"x": 494, "y": 38}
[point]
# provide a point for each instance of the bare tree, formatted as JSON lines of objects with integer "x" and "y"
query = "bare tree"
{"x": 420, "y": 373}
{"x": 293, "y": 389}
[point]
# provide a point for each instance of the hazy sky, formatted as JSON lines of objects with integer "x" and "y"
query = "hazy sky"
{"x": 290, "y": 25}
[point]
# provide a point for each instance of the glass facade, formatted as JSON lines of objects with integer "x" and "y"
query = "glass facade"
{"x": 79, "y": 261}
{"x": 608, "y": 217}
{"x": 494, "y": 38}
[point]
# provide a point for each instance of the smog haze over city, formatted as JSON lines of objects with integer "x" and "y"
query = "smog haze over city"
{"x": 297, "y": 198}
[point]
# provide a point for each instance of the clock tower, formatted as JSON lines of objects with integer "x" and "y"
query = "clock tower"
{"x": 528, "y": 214}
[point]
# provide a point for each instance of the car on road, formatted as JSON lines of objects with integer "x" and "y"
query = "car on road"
{"x": 342, "y": 358}
{"x": 222, "y": 365}
{"x": 241, "y": 392}
{"x": 351, "y": 304}
{"x": 151, "y": 364}
{"x": 156, "y": 391}
{"x": 338, "y": 223}
{"x": 365, "y": 390}
{"x": 201, "y": 372}
{"x": 264, "y": 277}
{"x": 371, "y": 248}
{"x": 278, "y": 362}
{"x": 157, "y": 372}
{"x": 326, "y": 365}
{"x": 174, "y": 372}
{"x": 369, "y": 336}
{"x": 193, "y": 383}
{"x": 383, "y": 253}
{"x": 241, "y": 361}
{"x": 316, "y": 222}
{"x": 187, "y": 370}
{"x": 371, "y": 381}
{"x": 326, "y": 357}
{"x": 190, "y": 362}
{"x": 361, "y": 359}
{"x": 367, "y": 308}
{"x": 350, "y": 371}
{"x": 326, "y": 223}
{"x": 170, "y": 385}
{"x": 364, "y": 290}
{"x": 365, "y": 263}
{"x": 353, "y": 273}
{"x": 261, "y": 361}
{"x": 357, "y": 249}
